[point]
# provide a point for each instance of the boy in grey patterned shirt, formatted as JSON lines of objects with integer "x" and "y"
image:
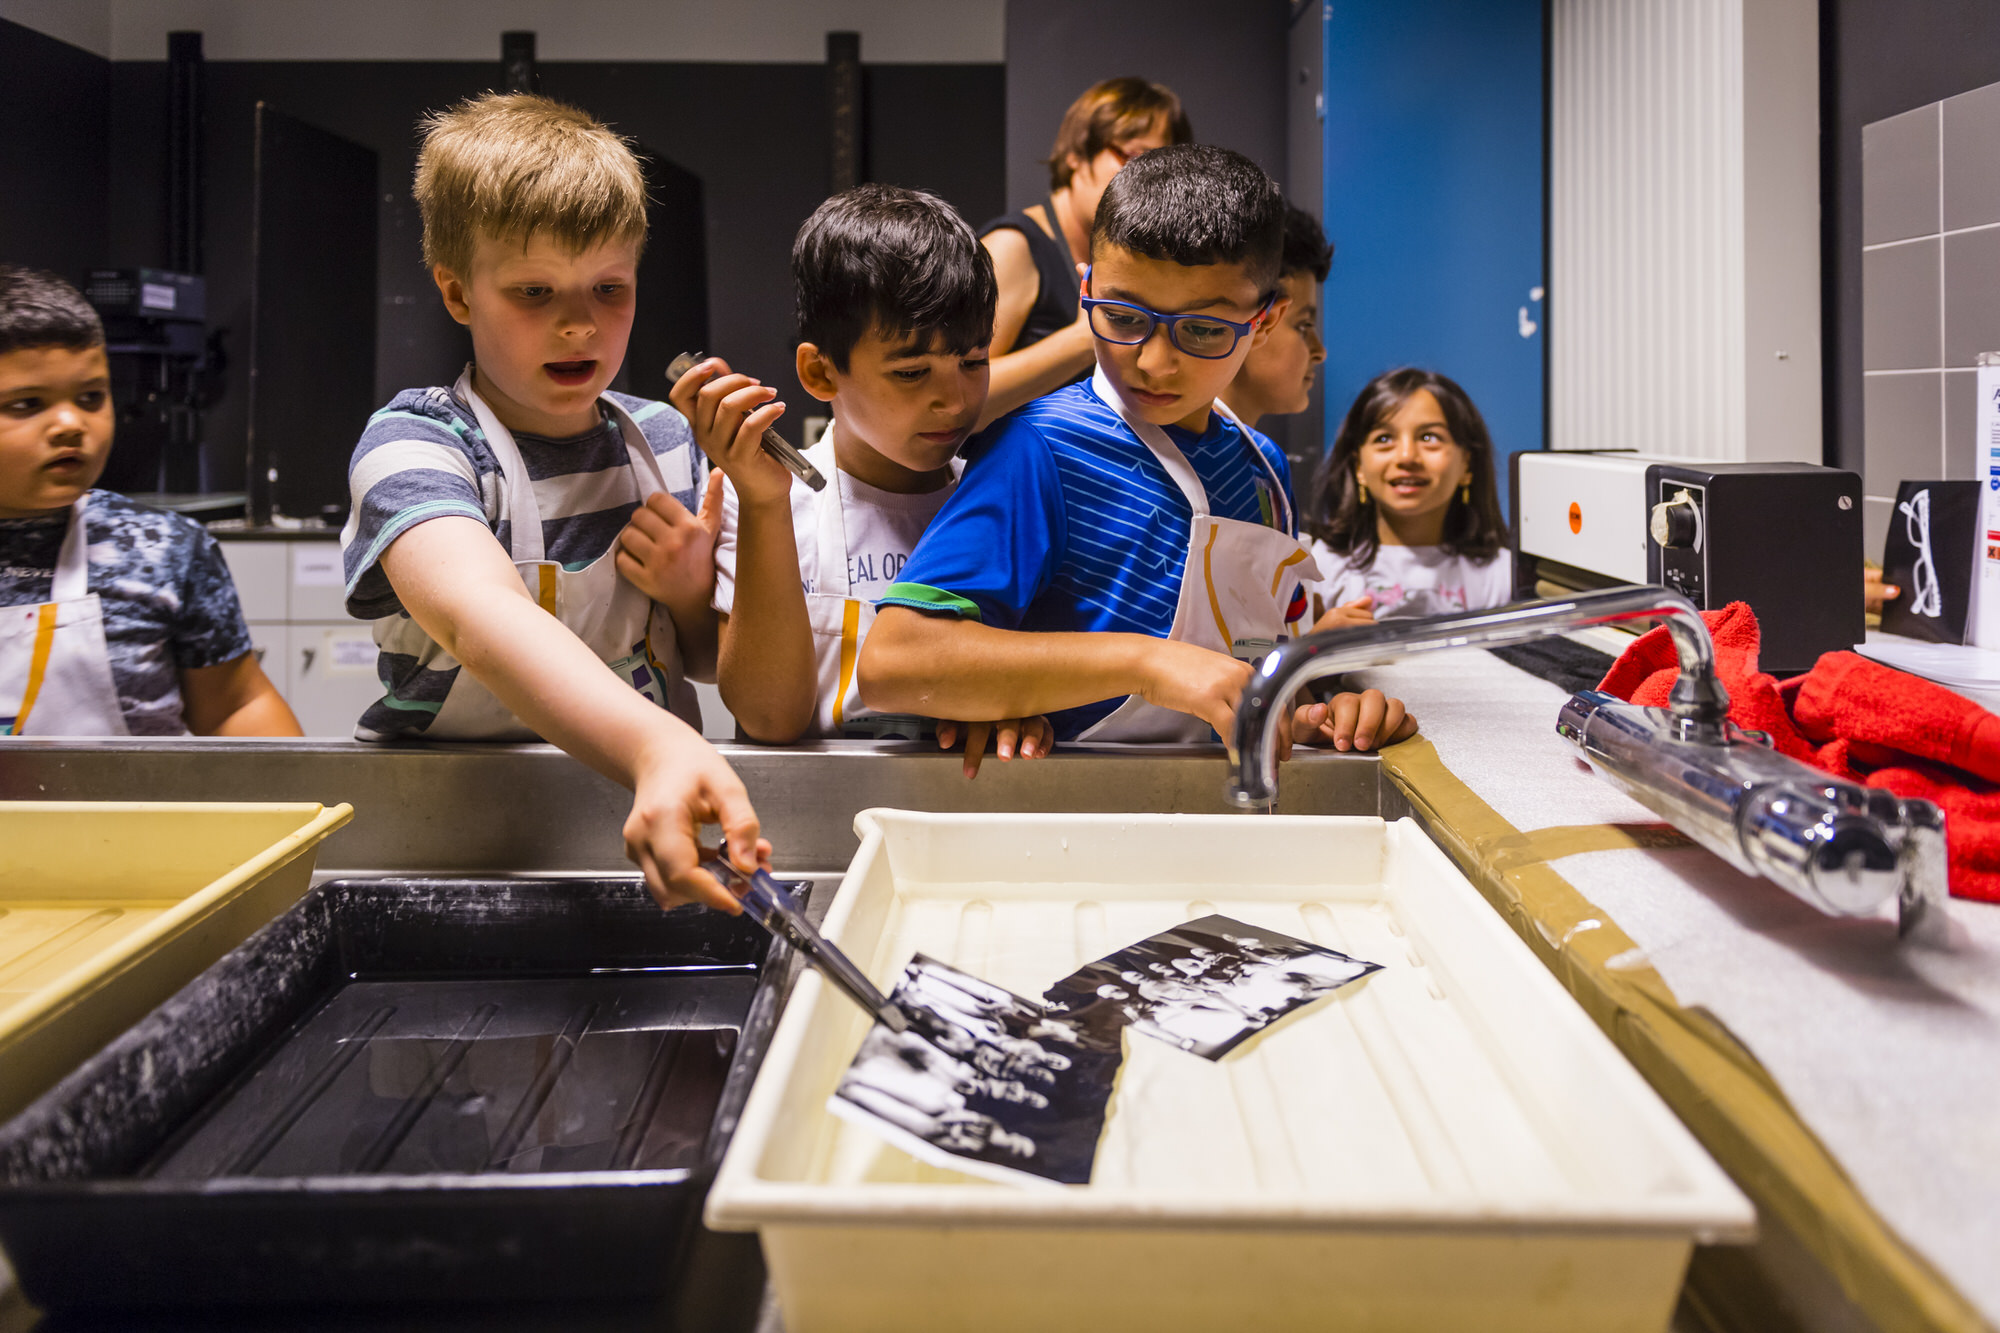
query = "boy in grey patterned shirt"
{"x": 115, "y": 619}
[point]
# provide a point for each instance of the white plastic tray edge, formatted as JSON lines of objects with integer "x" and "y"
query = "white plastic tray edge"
{"x": 741, "y": 1199}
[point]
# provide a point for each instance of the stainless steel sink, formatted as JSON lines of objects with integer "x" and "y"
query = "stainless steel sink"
{"x": 458, "y": 808}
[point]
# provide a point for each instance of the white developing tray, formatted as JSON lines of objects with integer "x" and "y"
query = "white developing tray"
{"x": 1448, "y": 1144}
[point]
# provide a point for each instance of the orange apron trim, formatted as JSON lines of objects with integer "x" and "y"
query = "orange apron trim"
{"x": 38, "y": 662}
{"x": 1208, "y": 574}
{"x": 850, "y": 638}
{"x": 1278, "y": 574}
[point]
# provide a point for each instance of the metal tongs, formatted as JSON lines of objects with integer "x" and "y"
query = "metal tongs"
{"x": 775, "y": 444}
{"x": 766, "y": 902}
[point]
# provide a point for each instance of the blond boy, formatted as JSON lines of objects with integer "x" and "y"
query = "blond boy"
{"x": 484, "y": 535}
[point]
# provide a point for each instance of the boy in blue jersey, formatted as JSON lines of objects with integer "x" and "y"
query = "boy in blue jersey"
{"x": 1119, "y": 552}
{"x": 484, "y": 537}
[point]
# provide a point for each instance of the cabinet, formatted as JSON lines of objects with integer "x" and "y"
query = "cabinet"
{"x": 320, "y": 658}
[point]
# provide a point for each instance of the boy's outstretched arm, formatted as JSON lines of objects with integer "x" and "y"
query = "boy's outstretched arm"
{"x": 459, "y": 585}
{"x": 235, "y": 698}
{"x": 940, "y": 666}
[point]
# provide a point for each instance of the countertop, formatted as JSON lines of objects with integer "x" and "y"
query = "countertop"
{"x": 1841, "y": 1078}
{"x": 1848, "y": 1081}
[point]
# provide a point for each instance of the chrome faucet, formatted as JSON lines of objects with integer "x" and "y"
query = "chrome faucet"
{"x": 1841, "y": 847}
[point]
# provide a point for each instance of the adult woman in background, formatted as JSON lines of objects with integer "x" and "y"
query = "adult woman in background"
{"x": 1039, "y": 343}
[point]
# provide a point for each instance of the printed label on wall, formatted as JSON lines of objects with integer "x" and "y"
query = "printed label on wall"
{"x": 316, "y": 565}
{"x": 349, "y": 653}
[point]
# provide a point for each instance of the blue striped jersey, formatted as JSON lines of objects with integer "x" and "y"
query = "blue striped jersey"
{"x": 1065, "y": 521}
{"x": 423, "y": 457}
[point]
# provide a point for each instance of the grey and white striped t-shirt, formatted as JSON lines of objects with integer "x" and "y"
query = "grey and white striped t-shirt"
{"x": 423, "y": 457}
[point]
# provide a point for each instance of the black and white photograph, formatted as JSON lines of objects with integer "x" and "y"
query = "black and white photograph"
{"x": 983, "y": 1081}
{"x": 1205, "y": 987}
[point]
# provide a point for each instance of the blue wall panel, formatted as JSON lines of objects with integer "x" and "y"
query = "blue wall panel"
{"x": 1434, "y": 169}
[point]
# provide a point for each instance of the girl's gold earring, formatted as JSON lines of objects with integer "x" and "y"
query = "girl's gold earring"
{"x": 1362, "y": 491}
{"x": 1465, "y": 490}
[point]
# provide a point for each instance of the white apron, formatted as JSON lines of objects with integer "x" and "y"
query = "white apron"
{"x": 1236, "y": 583}
{"x": 839, "y": 624}
{"x": 614, "y": 619}
{"x": 55, "y": 670}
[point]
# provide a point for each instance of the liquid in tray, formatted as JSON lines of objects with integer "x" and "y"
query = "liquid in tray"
{"x": 471, "y": 1076}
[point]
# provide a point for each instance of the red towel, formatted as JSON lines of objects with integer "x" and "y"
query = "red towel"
{"x": 1645, "y": 674}
{"x": 1885, "y": 710}
{"x": 1858, "y": 720}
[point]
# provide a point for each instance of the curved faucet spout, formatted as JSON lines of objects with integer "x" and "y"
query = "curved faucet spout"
{"x": 1698, "y": 696}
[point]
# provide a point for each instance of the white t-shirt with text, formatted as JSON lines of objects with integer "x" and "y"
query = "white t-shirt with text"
{"x": 882, "y": 528}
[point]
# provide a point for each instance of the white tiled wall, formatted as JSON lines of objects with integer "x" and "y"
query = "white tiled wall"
{"x": 1930, "y": 231}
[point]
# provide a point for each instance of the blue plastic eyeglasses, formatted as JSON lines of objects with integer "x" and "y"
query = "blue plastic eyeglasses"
{"x": 1205, "y": 336}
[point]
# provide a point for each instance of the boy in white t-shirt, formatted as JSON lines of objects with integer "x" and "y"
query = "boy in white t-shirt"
{"x": 895, "y": 311}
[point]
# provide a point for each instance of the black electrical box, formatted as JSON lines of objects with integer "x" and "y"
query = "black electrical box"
{"x": 156, "y": 336}
{"x": 1784, "y": 537}
{"x": 148, "y": 294}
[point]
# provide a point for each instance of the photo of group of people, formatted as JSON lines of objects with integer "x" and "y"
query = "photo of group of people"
{"x": 1206, "y": 986}
{"x": 1015, "y": 1090}
{"x": 983, "y": 1081}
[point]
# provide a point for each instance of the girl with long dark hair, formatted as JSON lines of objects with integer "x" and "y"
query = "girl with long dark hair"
{"x": 1408, "y": 516}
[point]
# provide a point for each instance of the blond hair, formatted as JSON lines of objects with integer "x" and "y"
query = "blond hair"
{"x": 509, "y": 165}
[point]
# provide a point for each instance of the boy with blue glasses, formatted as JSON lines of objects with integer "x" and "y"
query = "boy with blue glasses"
{"x": 1119, "y": 552}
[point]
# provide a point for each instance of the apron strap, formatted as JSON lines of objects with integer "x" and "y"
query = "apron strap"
{"x": 832, "y": 527}
{"x": 517, "y": 490}
{"x": 72, "y": 576}
{"x": 1171, "y": 458}
{"x": 1281, "y": 500}
{"x": 645, "y": 463}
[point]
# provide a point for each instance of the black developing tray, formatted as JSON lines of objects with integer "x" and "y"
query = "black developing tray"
{"x": 407, "y": 1090}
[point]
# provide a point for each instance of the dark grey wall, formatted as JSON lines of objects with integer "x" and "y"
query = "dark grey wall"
{"x": 54, "y": 152}
{"x": 1226, "y": 60}
{"x": 750, "y": 132}
{"x": 1878, "y": 58}
{"x": 86, "y": 186}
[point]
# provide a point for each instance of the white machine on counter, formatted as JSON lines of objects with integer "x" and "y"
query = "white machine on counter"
{"x": 1784, "y": 537}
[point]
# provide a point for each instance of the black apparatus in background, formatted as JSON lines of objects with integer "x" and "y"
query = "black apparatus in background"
{"x": 163, "y": 366}
{"x": 164, "y": 362}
